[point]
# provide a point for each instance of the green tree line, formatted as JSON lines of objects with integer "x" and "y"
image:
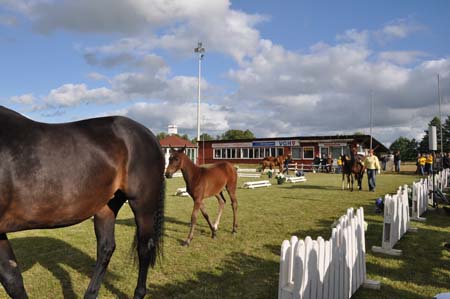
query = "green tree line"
{"x": 410, "y": 148}
{"x": 228, "y": 135}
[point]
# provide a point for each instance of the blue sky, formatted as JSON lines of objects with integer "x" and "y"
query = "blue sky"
{"x": 278, "y": 68}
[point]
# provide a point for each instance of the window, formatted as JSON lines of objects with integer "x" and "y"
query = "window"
{"x": 256, "y": 152}
{"x": 250, "y": 153}
{"x": 308, "y": 152}
{"x": 280, "y": 151}
{"x": 324, "y": 152}
{"x": 245, "y": 153}
{"x": 296, "y": 153}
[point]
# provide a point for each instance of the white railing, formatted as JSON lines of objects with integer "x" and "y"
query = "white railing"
{"x": 419, "y": 199}
{"x": 319, "y": 269}
{"x": 395, "y": 222}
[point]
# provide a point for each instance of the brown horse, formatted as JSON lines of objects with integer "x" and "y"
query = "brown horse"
{"x": 268, "y": 162}
{"x": 202, "y": 183}
{"x": 55, "y": 175}
{"x": 352, "y": 169}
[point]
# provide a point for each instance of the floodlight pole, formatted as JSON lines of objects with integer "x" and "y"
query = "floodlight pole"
{"x": 440, "y": 122}
{"x": 371, "y": 117}
{"x": 200, "y": 51}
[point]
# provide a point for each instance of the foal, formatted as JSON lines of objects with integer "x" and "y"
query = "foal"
{"x": 204, "y": 182}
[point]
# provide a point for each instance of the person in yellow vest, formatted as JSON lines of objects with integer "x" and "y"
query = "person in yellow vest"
{"x": 373, "y": 166}
{"x": 421, "y": 161}
{"x": 429, "y": 164}
{"x": 339, "y": 164}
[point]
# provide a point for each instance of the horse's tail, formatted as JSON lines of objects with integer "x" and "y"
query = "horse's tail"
{"x": 156, "y": 250}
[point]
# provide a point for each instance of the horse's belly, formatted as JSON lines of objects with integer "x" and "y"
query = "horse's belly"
{"x": 49, "y": 214}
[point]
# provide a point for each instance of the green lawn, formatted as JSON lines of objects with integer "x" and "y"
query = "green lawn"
{"x": 57, "y": 263}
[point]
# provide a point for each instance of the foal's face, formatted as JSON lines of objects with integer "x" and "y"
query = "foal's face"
{"x": 175, "y": 163}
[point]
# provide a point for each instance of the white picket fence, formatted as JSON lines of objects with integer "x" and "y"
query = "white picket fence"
{"x": 319, "y": 269}
{"x": 420, "y": 193}
{"x": 395, "y": 222}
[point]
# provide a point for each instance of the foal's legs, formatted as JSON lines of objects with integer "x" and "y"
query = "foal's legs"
{"x": 231, "y": 189}
{"x": 221, "y": 201}
{"x": 197, "y": 206}
{"x": 104, "y": 222}
{"x": 10, "y": 276}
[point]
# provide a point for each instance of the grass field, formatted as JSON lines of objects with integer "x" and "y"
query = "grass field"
{"x": 57, "y": 263}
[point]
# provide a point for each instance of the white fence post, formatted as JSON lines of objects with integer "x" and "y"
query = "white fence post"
{"x": 331, "y": 269}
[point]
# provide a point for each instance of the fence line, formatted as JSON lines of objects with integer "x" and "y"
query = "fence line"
{"x": 395, "y": 222}
{"x": 419, "y": 203}
{"x": 331, "y": 269}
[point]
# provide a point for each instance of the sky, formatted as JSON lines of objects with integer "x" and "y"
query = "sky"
{"x": 277, "y": 68}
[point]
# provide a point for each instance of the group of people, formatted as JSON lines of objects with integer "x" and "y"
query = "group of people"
{"x": 323, "y": 163}
{"x": 394, "y": 160}
{"x": 424, "y": 162}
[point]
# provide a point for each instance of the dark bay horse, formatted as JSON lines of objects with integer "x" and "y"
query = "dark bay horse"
{"x": 56, "y": 175}
{"x": 352, "y": 169}
{"x": 201, "y": 183}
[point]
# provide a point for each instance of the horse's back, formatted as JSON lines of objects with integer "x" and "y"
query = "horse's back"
{"x": 60, "y": 174}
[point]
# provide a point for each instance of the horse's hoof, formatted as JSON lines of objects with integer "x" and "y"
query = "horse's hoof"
{"x": 234, "y": 231}
{"x": 213, "y": 235}
{"x": 185, "y": 243}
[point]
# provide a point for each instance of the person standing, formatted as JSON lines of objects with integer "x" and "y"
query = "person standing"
{"x": 422, "y": 162}
{"x": 429, "y": 164}
{"x": 372, "y": 165}
{"x": 397, "y": 160}
{"x": 446, "y": 160}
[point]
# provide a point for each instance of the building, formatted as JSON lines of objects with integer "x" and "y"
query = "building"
{"x": 303, "y": 149}
{"x": 174, "y": 141}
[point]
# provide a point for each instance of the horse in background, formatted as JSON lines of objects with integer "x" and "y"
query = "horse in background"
{"x": 352, "y": 169}
{"x": 272, "y": 162}
{"x": 201, "y": 183}
{"x": 268, "y": 162}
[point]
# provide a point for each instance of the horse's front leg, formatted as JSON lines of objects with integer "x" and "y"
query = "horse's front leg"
{"x": 197, "y": 205}
{"x": 104, "y": 222}
{"x": 10, "y": 276}
{"x": 205, "y": 214}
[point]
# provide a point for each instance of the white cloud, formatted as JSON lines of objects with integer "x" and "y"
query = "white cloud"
{"x": 398, "y": 29}
{"x": 74, "y": 94}
{"x": 27, "y": 99}
{"x": 401, "y": 57}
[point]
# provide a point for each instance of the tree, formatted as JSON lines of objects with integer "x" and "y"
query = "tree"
{"x": 161, "y": 135}
{"x": 407, "y": 148}
{"x": 204, "y": 136}
{"x": 446, "y": 133}
{"x": 237, "y": 134}
{"x": 423, "y": 146}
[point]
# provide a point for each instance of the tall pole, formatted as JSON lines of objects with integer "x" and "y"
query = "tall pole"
{"x": 440, "y": 120}
{"x": 200, "y": 51}
{"x": 371, "y": 117}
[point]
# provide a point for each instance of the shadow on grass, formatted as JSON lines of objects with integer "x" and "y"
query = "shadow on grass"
{"x": 386, "y": 292}
{"x": 51, "y": 254}
{"x": 241, "y": 276}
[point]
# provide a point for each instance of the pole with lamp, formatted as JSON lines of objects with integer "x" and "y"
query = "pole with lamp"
{"x": 432, "y": 146}
{"x": 200, "y": 50}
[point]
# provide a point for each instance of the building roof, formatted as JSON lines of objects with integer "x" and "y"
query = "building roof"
{"x": 175, "y": 141}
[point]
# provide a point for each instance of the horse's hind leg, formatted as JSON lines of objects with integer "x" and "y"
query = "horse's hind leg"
{"x": 231, "y": 188}
{"x": 221, "y": 200}
{"x": 104, "y": 222}
{"x": 10, "y": 276}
